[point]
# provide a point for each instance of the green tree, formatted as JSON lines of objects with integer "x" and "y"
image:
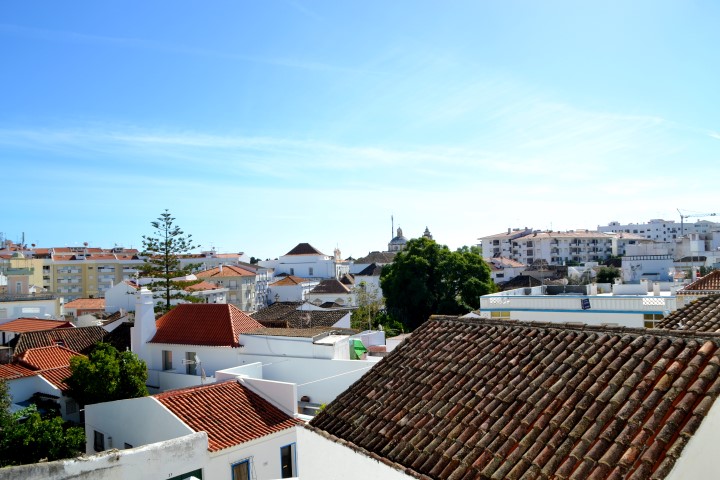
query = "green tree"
{"x": 607, "y": 275}
{"x": 427, "y": 278}
{"x": 162, "y": 263}
{"x": 106, "y": 375}
{"x": 369, "y": 303}
{"x": 27, "y": 437}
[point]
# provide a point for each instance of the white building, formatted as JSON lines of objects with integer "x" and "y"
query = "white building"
{"x": 667, "y": 232}
{"x": 291, "y": 289}
{"x": 306, "y": 261}
{"x": 248, "y": 437}
{"x": 557, "y": 248}
{"x": 629, "y": 305}
{"x": 503, "y": 269}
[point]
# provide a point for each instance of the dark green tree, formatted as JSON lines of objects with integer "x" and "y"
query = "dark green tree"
{"x": 107, "y": 375}
{"x": 27, "y": 437}
{"x": 607, "y": 274}
{"x": 427, "y": 278}
{"x": 162, "y": 252}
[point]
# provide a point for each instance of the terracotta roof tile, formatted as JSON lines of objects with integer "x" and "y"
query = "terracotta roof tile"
{"x": 225, "y": 271}
{"x": 491, "y": 399}
{"x": 330, "y": 286}
{"x": 22, "y": 325}
{"x": 286, "y": 314}
{"x": 301, "y": 332}
{"x": 79, "y": 339}
{"x": 57, "y": 376}
{"x": 201, "y": 286}
{"x": 229, "y": 412}
{"x": 42, "y": 358}
{"x": 289, "y": 280}
{"x": 707, "y": 283}
{"x": 381, "y": 258}
{"x": 87, "y": 304}
{"x": 11, "y": 371}
{"x": 701, "y": 315}
{"x": 215, "y": 324}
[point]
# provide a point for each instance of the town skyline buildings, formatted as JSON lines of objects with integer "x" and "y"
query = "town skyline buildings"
{"x": 262, "y": 125}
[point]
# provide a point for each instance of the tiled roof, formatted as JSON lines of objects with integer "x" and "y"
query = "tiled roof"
{"x": 286, "y": 314}
{"x": 275, "y": 311}
{"x": 372, "y": 270}
{"x": 377, "y": 257}
{"x": 466, "y": 399}
{"x": 304, "y": 249}
{"x": 229, "y": 412}
{"x": 201, "y": 286}
{"x": 22, "y": 325}
{"x": 42, "y": 358}
{"x": 57, "y": 376}
{"x": 289, "y": 280}
{"x": 503, "y": 262}
{"x": 87, "y": 304}
{"x": 701, "y": 315}
{"x": 708, "y": 283}
{"x": 331, "y": 286}
{"x": 79, "y": 339}
{"x": 213, "y": 324}
{"x": 301, "y": 332}
{"x": 11, "y": 371}
{"x": 225, "y": 271}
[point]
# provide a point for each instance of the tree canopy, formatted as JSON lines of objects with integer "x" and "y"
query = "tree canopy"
{"x": 107, "y": 375}
{"x": 162, "y": 250}
{"x": 427, "y": 278}
{"x": 28, "y": 437}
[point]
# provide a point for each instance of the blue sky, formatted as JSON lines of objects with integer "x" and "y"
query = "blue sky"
{"x": 260, "y": 125}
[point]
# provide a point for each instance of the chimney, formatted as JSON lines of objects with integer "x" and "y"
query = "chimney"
{"x": 593, "y": 289}
{"x": 644, "y": 283}
{"x": 144, "y": 329}
{"x": 508, "y": 230}
{"x": 656, "y": 289}
{"x": 221, "y": 267}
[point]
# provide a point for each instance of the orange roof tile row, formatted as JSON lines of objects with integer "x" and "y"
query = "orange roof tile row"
{"x": 87, "y": 304}
{"x": 11, "y": 371}
{"x": 290, "y": 280}
{"x": 22, "y": 325}
{"x": 229, "y": 412}
{"x": 56, "y": 376}
{"x": 47, "y": 357}
{"x": 225, "y": 271}
{"x": 213, "y": 324}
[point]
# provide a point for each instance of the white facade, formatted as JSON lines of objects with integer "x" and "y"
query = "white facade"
{"x": 667, "y": 232}
{"x": 285, "y": 292}
{"x": 628, "y": 305}
{"x": 308, "y": 266}
{"x": 323, "y": 459}
{"x": 42, "y": 308}
{"x": 557, "y": 248}
{"x": 145, "y": 421}
{"x": 120, "y": 297}
{"x": 168, "y": 459}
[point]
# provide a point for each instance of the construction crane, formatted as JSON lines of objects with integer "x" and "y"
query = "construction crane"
{"x": 691, "y": 215}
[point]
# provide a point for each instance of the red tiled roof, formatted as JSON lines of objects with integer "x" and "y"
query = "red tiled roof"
{"x": 330, "y": 286}
{"x": 10, "y": 371}
{"x": 87, "y": 304}
{"x": 225, "y": 271}
{"x": 46, "y": 357}
{"x": 201, "y": 286}
{"x": 213, "y": 324}
{"x": 701, "y": 315}
{"x": 57, "y": 376}
{"x": 22, "y": 325}
{"x": 229, "y": 412}
{"x": 290, "y": 280}
{"x": 710, "y": 282}
{"x": 468, "y": 399}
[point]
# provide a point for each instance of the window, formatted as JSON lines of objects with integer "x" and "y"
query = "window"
{"x": 241, "y": 470}
{"x": 500, "y": 314}
{"x": 292, "y": 271}
{"x": 167, "y": 360}
{"x": 287, "y": 461}
{"x": 651, "y": 319}
{"x": 190, "y": 363}
{"x": 99, "y": 443}
{"x": 71, "y": 407}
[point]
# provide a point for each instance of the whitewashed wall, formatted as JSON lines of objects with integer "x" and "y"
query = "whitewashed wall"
{"x": 699, "y": 458}
{"x": 322, "y": 459}
{"x": 136, "y": 421}
{"x": 159, "y": 460}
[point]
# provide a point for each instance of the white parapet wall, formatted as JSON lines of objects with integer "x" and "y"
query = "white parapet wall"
{"x": 167, "y": 460}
